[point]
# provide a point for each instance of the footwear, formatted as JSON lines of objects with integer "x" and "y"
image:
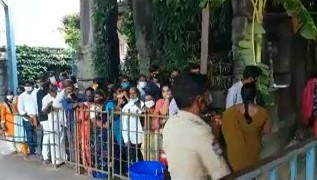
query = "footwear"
{"x": 46, "y": 162}
{"x": 31, "y": 158}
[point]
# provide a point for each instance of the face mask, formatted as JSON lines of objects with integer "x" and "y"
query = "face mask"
{"x": 53, "y": 80}
{"x": 61, "y": 78}
{"x": 28, "y": 88}
{"x": 125, "y": 85}
{"x": 149, "y": 104}
{"x": 134, "y": 100}
{"x": 142, "y": 84}
{"x": 9, "y": 97}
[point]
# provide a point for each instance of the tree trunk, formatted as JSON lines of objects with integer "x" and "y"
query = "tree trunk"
{"x": 204, "y": 40}
{"x": 242, "y": 12}
{"x": 112, "y": 36}
{"x": 142, "y": 16}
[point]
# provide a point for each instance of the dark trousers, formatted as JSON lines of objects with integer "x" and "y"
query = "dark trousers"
{"x": 135, "y": 153}
{"x": 30, "y": 136}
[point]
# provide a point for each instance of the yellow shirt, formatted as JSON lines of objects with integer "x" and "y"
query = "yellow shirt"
{"x": 187, "y": 141}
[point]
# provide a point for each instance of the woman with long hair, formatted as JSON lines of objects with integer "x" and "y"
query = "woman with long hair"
{"x": 8, "y": 111}
{"x": 243, "y": 126}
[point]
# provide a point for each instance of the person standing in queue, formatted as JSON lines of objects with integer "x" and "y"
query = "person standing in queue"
{"x": 187, "y": 139}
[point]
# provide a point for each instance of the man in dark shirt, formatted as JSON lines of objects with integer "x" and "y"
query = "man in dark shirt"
{"x": 41, "y": 93}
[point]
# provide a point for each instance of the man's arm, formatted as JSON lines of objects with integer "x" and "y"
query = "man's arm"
{"x": 57, "y": 103}
{"x": 68, "y": 105}
{"x": 215, "y": 164}
{"x": 21, "y": 107}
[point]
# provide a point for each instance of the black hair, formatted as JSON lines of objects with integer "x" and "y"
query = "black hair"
{"x": 125, "y": 77}
{"x": 28, "y": 83}
{"x": 51, "y": 88}
{"x": 143, "y": 76}
{"x": 251, "y": 71}
{"x": 100, "y": 92}
{"x": 248, "y": 94}
{"x": 154, "y": 68}
{"x": 187, "y": 87}
{"x": 89, "y": 89}
{"x": 6, "y": 101}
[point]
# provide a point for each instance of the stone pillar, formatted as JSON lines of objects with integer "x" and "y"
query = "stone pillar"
{"x": 242, "y": 12}
{"x": 85, "y": 64}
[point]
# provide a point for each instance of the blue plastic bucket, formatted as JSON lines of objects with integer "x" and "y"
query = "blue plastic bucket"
{"x": 147, "y": 170}
{"x": 99, "y": 175}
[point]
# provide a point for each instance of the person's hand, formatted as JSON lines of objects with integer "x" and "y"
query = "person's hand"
{"x": 4, "y": 126}
{"x": 216, "y": 119}
{"x": 155, "y": 125}
{"x": 120, "y": 101}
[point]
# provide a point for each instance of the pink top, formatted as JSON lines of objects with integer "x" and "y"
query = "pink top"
{"x": 158, "y": 106}
{"x": 308, "y": 100}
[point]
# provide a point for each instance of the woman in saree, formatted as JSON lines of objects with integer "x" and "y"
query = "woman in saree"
{"x": 243, "y": 126}
{"x": 98, "y": 133}
{"x": 84, "y": 129}
{"x": 8, "y": 111}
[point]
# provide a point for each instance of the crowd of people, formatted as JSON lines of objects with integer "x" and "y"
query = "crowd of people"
{"x": 53, "y": 109}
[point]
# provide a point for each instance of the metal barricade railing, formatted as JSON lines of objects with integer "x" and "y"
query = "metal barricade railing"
{"x": 19, "y": 139}
{"x": 299, "y": 159}
{"x": 105, "y": 142}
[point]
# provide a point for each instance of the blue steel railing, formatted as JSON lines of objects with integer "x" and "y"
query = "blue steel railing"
{"x": 271, "y": 164}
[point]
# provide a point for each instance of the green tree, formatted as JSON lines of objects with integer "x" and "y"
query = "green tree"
{"x": 71, "y": 30}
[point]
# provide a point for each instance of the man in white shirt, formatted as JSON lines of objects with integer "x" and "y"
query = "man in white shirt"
{"x": 53, "y": 133}
{"x": 27, "y": 108}
{"x": 250, "y": 74}
{"x": 187, "y": 139}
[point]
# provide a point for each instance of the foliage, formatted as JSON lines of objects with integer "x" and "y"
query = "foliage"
{"x": 34, "y": 62}
{"x": 177, "y": 31}
{"x": 250, "y": 47}
{"x": 106, "y": 50}
{"x": 131, "y": 61}
{"x": 296, "y": 9}
{"x": 221, "y": 26}
{"x": 220, "y": 72}
{"x": 71, "y": 30}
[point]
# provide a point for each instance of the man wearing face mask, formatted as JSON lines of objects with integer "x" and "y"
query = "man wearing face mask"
{"x": 125, "y": 82}
{"x": 194, "y": 155}
{"x": 70, "y": 103}
{"x": 250, "y": 75}
{"x": 153, "y": 86}
{"x": 141, "y": 85}
{"x": 27, "y": 108}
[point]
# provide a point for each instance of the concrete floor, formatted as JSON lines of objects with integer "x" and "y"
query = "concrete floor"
{"x": 13, "y": 167}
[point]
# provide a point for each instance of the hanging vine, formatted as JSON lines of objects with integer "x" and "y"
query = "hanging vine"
{"x": 106, "y": 49}
{"x": 130, "y": 66}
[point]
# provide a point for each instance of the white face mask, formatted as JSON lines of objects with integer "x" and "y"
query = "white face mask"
{"x": 28, "y": 88}
{"x": 149, "y": 104}
{"x": 9, "y": 97}
{"x": 134, "y": 100}
{"x": 53, "y": 80}
{"x": 142, "y": 84}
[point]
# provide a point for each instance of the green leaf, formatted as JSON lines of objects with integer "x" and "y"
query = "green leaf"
{"x": 245, "y": 44}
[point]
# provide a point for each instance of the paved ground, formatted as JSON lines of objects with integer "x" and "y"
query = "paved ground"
{"x": 15, "y": 168}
